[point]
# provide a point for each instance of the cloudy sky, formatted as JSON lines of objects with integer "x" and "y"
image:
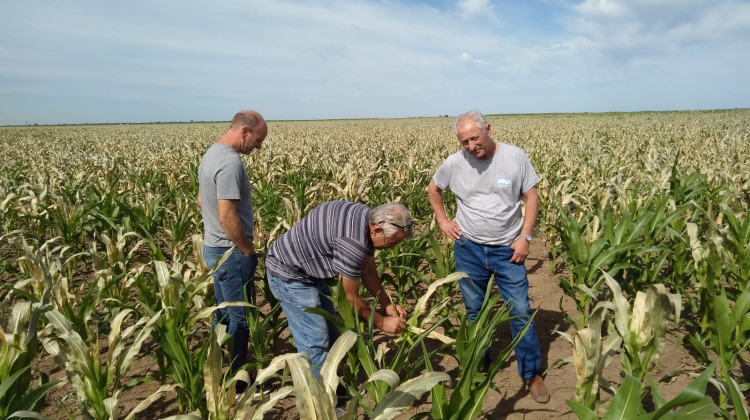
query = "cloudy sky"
{"x": 98, "y": 61}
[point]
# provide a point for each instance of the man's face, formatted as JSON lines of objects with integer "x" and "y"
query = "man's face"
{"x": 379, "y": 240}
{"x": 475, "y": 140}
{"x": 253, "y": 139}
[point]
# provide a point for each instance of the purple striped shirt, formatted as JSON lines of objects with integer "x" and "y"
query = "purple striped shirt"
{"x": 333, "y": 239}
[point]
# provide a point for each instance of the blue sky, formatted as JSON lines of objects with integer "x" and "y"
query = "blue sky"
{"x": 96, "y": 61}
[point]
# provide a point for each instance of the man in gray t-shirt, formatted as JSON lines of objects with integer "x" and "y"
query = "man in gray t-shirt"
{"x": 226, "y": 204}
{"x": 491, "y": 234}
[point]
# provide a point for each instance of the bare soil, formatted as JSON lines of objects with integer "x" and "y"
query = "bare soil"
{"x": 512, "y": 402}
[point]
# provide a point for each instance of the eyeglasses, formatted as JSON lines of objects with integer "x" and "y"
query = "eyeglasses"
{"x": 406, "y": 228}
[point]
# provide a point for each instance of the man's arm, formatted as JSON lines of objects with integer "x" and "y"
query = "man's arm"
{"x": 395, "y": 322}
{"x": 232, "y": 226}
{"x": 448, "y": 226}
{"x": 521, "y": 246}
{"x": 199, "y": 198}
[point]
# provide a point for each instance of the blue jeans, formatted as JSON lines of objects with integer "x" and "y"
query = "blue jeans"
{"x": 233, "y": 281}
{"x": 482, "y": 261}
{"x": 313, "y": 334}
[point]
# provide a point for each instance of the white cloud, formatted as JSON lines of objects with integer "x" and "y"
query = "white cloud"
{"x": 475, "y": 7}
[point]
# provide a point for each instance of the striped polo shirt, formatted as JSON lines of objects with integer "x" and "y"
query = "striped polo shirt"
{"x": 333, "y": 239}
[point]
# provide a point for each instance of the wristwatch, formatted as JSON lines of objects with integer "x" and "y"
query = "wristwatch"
{"x": 527, "y": 237}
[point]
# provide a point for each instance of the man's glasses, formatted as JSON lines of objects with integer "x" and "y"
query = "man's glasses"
{"x": 406, "y": 228}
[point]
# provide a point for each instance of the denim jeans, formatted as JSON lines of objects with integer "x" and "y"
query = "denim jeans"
{"x": 482, "y": 261}
{"x": 313, "y": 334}
{"x": 233, "y": 281}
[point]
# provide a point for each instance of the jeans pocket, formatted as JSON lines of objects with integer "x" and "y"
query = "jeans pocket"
{"x": 461, "y": 241}
{"x": 275, "y": 287}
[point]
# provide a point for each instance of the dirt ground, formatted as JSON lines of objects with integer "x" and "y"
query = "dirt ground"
{"x": 512, "y": 402}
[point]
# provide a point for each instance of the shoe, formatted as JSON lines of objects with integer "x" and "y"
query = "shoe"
{"x": 340, "y": 412}
{"x": 538, "y": 390}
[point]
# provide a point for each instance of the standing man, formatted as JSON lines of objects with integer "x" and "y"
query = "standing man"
{"x": 336, "y": 239}
{"x": 227, "y": 208}
{"x": 491, "y": 235}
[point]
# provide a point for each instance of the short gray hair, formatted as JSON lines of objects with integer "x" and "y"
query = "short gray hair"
{"x": 476, "y": 116}
{"x": 392, "y": 217}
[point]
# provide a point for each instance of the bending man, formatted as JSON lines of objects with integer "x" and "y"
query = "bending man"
{"x": 336, "y": 239}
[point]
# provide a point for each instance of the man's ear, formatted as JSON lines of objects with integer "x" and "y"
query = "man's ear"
{"x": 375, "y": 228}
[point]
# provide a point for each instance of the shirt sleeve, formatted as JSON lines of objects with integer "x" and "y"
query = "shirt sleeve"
{"x": 442, "y": 176}
{"x": 228, "y": 182}
{"x": 530, "y": 178}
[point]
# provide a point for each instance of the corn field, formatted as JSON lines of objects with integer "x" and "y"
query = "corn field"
{"x": 645, "y": 216}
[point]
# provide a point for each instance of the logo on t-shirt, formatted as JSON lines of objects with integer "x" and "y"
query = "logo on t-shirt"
{"x": 504, "y": 181}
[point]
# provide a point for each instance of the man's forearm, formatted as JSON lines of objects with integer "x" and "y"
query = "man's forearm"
{"x": 531, "y": 201}
{"x": 232, "y": 225}
{"x": 363, "y": 310}
{"x": 435, "y": 196}
{"x": 372, "y": 282}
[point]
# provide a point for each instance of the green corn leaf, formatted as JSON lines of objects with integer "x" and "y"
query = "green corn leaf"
{"x": 626, "y": 403}
{"x": 693, "y": 393}
{"x": 741, "y": 307}
{"x": 704, "y": 409}
{"x": 582, "y": 412}
{"x": 28, "y": 415}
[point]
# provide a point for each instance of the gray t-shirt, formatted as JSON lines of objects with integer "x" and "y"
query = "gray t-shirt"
{"x": 488, "y": 192}
{"x": 332, "y": 239}
{"x": 222, "y": 176}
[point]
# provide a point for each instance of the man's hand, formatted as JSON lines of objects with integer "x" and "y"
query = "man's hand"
{"x": 390, "y": 324}
{"x": 451, "y": 229}
{"x": 396, "y": 310}
{"x": 520, "y": 249}
{"x": 448, "y": 226}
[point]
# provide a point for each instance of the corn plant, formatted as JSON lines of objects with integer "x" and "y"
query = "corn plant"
{"x": 692, "y": 403}
{"x": 265, "y": 328}
{"x": 176, "y": 331}
{"x": 223, "y": 402}
{"x": 591, "y": 354}
{"x": 730, "y": 338}
{"x": 18, "y": 346}
{"x": 643, "y": 328}
{"x": 590, "y": 248}
{"x": 725, "y": 322}
{"x": 737, "y": 246}
{"x": 96, "y": 383}
{"x": 316, "y": 399}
